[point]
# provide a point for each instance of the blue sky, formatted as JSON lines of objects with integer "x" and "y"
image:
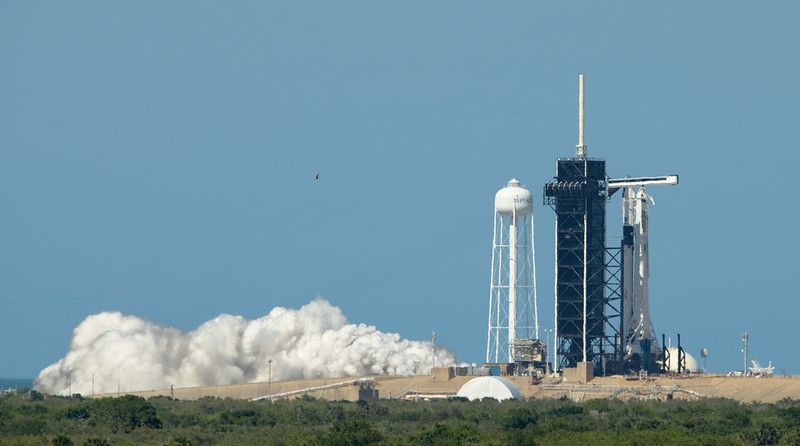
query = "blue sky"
{"x": 157, "y": 158}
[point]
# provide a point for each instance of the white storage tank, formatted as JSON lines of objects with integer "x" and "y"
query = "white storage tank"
{"x": 513, "y": 198}
{"x": 513, "y": 312}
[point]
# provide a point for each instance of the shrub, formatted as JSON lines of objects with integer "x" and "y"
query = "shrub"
{"x": 767, "y": 435}
{"x": 352, "y": 432}
{"x": 247, "y": 417}
{"x": 77, "y": 412}
{"x": 446, "y": 435}
{"x": 518, "y": 418}
{"x": 61, "y": 440}
{"x": 126, "y": 413}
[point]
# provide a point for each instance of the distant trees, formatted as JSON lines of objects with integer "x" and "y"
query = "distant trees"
{"x": 309, "y": 421}
{"x": 518, "y": 418}
{"x": 446, "y": 434}
{"x": 61, "y": 440}
{"x": 121, "y": 414}
{"x": 767, "y": 435}
{"x": 351, "y": 432}
{"x": 125, "y": 413}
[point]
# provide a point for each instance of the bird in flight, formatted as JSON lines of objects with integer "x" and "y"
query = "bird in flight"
{"x": 316, "y": 177}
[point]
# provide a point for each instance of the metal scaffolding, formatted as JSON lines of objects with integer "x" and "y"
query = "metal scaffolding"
{"x": 578, "y": 196}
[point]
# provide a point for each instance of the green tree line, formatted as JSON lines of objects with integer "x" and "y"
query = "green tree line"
{"x": 29, "y": 418}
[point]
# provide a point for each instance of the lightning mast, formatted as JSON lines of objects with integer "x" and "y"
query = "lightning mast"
{"x": 578, "y": 196}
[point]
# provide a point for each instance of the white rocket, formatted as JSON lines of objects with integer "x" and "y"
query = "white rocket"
{"x": 636, "y": 328}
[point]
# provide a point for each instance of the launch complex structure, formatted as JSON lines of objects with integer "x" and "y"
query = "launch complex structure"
{"x": 601, "y": 291}
{"x": 602, "y": 322}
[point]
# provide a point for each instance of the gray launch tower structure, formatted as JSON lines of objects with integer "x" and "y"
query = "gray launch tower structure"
{"x": 601, "y": 292}
{"x": 578, "y": 196}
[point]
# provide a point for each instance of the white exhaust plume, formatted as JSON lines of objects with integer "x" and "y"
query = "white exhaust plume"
{"x": 313, "y": 342}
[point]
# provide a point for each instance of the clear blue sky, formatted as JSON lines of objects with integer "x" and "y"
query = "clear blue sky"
{"x": 157, "y": 158}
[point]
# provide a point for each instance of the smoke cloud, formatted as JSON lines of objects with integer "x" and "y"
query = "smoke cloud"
{"x": 315, "y": 341}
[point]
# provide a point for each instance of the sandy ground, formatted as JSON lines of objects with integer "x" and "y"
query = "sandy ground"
{"x": 739, "y": 388}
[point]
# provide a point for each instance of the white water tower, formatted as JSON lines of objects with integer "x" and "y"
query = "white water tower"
{"x": 512, "y": 291}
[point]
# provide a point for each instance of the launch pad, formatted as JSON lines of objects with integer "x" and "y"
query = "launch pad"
{"x": 601, "y": 314}
{"x": 601, "y": 291}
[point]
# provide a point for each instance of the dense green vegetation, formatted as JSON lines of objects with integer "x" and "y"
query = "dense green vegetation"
{"x": 27, "y": 418}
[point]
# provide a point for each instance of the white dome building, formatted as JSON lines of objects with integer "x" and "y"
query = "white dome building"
{"x": 691, "y": 363}
{"x": 489, "y": 387}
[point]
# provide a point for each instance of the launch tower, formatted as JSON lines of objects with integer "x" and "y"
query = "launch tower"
{"x": 578, "y": 196}
{"x": 601, "y": 293}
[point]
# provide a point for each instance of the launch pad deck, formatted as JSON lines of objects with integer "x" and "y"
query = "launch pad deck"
{"x": 744, "y": 389}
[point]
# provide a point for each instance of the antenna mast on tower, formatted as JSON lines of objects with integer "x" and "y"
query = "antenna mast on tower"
{"x": 581, "y": 147}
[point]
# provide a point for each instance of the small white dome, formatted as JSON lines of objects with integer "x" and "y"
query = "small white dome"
{"x": 512, "y": 198}
{"x": 691, "y": 363}
{"x": 489, "y": 387}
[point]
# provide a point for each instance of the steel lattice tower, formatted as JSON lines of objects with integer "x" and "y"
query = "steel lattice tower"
{"x": 513, "y": 317}
{"x": 583, "y": 330}
{"x": 578, "y": 196}
{"x": 601, "y": 293}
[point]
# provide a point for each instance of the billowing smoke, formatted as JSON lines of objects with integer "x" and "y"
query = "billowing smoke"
{"x": 313, "y": 342}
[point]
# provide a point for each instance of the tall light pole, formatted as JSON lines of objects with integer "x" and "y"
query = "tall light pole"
{"x": 416, "y": 380}
{"x": 269, "y": 378}
{"x": 746, "y": 342}
{"x": 433, "y": 362}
